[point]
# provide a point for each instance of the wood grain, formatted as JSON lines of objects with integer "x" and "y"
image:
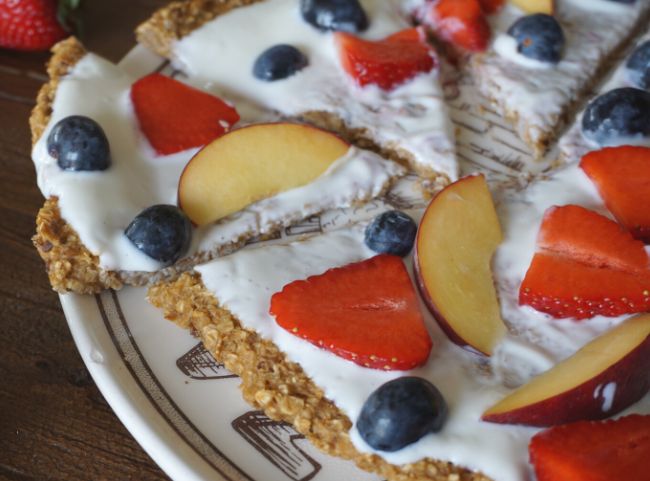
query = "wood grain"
{"x": 54, "y": 423}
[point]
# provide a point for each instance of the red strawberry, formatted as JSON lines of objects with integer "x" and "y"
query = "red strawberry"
{"x": 563, "y": 287}
{"x": 593, "y": 451}
{"x": 585, "y": 236}
{"x": 386, "y": 63}
{"x": 176, "y": 117}
{"x": 586, "y": 265}
{"x": 366, "y": 312}
{"x": 622, "y": 176}
{"x": 492, "y": 6}
{"x": 32, "y": 24}
{"x": 461, "y": 22}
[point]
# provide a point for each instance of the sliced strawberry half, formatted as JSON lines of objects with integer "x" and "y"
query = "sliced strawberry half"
{"x": 176, "y": 117}
{"x": 366, "y": 312}
{"x": 622, "y": 176}
{"x": 593, "y": 451}
{"x": 588, "y": 237}
{"x": 586, "y": 265}
{"x": 386, "y": 63}
{"x": 563, "y": 288}
{"x": 462, "y": 23}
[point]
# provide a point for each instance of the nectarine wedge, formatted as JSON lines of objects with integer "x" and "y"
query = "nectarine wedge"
{"x": 606, "y": 376}
{"x": 456, "y": 241}
{"x": 253, "y": 163}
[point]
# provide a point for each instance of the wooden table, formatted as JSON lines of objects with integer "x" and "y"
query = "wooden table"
{"x": 54, "y": 423}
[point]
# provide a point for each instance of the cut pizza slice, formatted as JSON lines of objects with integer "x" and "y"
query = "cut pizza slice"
{"x": 139, "y": 179}
{"x": 540, "y": 66}
{"x": 358, "y": 68}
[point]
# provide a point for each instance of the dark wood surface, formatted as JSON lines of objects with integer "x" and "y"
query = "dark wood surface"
{"x": 54, "y": 423}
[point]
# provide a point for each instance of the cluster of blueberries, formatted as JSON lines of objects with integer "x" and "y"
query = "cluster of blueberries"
{"x": 282, "y": 61}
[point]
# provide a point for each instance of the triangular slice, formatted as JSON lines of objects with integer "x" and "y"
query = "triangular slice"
{"x": 622, "y": 176}
{"x": 366, "y": 312}
{"x": 536, "y": 96}
{"x": 586, "y": 265}
{"x": 392, "y": 104}
{"x": 82, "y": 228}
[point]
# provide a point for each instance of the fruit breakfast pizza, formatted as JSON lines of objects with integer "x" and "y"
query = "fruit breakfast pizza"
{"x": 499, "y": 334}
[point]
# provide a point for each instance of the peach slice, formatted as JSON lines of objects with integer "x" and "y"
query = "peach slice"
{"x": 606, "y": 376}
{"x": 456, "y": 241}
{"x": 252, "y": 163}
{"x": 535, "y": 6}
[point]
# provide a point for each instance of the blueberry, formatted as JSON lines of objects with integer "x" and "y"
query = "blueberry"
{"x": 163, "y": 232}
{"x": 617, "y": 116}
{"x": 539, "y": 37}
{"x": 400, "y": 412}
{"x": 392, "y": 232}
{"x": 79, "y": 143}
{"x": 638, "y": 66}
{"x": 337, "y": 15}
{"x": 279, "y": 62}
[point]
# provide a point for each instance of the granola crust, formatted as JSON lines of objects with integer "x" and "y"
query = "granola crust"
{"x": 280, "y": 387}
{"x": 70, "y": 265}
{"x": 180, "y": 18}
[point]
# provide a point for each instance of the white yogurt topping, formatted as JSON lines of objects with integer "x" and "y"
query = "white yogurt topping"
{"x": 506, "y": 46}
{"x": 245, "y": 282}
{"x": 538, "y": 97}
{"x": 100, "y": 205}
{"x": 220, "y": 56}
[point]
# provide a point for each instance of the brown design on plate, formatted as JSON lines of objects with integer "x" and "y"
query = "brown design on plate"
{"x": 198, "y": 363}
{"x": 276, "y": 441}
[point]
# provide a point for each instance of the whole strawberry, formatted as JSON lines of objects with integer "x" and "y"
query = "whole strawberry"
{"x": 34, "y": 24}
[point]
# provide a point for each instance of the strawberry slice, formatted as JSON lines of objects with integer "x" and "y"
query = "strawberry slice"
{"x": 366, "y": 312}
{"x": 622, "y": 176}
{"x": 492, "y": 6}
{"x": 586, "y": 265}
{"x": 461, "y": 23}
{"x": 590, "y": 238}
{"x": 33, "y": 25}
{"x": 176, "y": 117}
{"x": 386, "y": 63}
{"x": 563, "y": 287}
{"x": 593, "y": 451}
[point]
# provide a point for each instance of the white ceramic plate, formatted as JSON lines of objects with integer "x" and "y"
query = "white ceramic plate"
{"x": 181, "y": 405}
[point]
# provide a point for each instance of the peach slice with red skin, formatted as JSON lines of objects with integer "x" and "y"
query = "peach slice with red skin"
{"x": 456, "y": 240}
{"x": 253, "y": 163}
{"x": 604, "y": 377}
